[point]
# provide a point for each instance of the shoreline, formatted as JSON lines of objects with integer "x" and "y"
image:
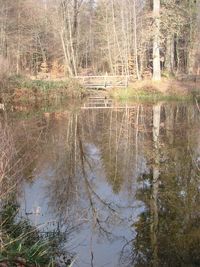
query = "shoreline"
{"x": 166, "y": 89}
{"x": 20, "y": 90}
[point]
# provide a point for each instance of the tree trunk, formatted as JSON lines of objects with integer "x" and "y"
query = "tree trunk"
{"x": 67, "y": 64}
{"x": 169, "y": 62}
{"x": 156, "y": 45}
{"x": 135, "y": 41}
{"x": 194, "y": 51}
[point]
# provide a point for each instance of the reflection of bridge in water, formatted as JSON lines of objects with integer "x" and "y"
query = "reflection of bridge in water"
{"x": 102, "y": 103}
{"x": 103, "y": 82}
{"x": 98, "y": 102}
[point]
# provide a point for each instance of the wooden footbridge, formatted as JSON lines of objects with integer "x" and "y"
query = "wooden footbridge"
{"x": 103, "y": 82}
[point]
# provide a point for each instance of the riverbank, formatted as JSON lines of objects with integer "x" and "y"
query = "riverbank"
{"x": 21, "y": 90}
{"x": 167, "y": 89}
{"x": 24, "y": 91}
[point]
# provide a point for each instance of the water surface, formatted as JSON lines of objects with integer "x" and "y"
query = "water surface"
{"x": 121, "y": 184}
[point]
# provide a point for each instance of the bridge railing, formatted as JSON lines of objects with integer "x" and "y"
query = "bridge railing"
{"x": 103, "y": 81}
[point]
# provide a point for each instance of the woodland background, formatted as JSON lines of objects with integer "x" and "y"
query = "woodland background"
{"x": 71, "y": 37}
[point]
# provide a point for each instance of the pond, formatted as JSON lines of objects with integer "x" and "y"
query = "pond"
{"x": 120, "y": 181}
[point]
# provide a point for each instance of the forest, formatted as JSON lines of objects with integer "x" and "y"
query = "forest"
{"x": 62, "y": 38}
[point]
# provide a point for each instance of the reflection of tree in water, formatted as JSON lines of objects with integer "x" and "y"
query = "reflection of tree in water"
{"x": 115, "y": 145}
{"x": 20, "y": 144}
{"x": 73, "y": 191}
{"x": 70, "y": 188}
{"x": 118, "y": 134}
{"x": 63, "y": 188}
{"x": 177, "y": 232}
{"x": 167, "y": 232}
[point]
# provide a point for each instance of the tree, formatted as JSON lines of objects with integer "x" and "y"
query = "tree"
{"x": 156, "y": 41}
{"x": 118, "y": 37}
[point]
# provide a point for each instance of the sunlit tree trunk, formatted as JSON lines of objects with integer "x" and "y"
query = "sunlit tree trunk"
{"x": 116, "y": 36}
{"x": 194, "y": 51}
{"x": 135, "y": 41}
{"x": 169, "y": 54}
{"x": 108, "y": 43}
{"x": 156, "y": 42}
{"x": 66, "y": 53}
{"x": 72, "y": 43}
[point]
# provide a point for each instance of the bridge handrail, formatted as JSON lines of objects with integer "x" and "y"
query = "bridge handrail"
{"x": 106, "y": 81}
{"x": 105, "y": 76}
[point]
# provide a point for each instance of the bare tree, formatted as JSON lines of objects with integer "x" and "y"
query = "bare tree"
{"x": 156, "y": 41}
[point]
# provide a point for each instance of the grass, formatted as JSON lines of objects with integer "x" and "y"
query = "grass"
{"x": 24, "y": 90}
{"x": 145, "y": 94}
{"x": 20, "y": 82}
{"x": 21, "y": 242}
{"x": 19, "y": 89}
{"x": 166, "y": 89}
{"x": 23, "y": 245}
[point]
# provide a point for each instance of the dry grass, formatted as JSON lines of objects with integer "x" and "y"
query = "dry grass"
{"x": 167, "y": 89}
{"x": 167, "y": 86}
